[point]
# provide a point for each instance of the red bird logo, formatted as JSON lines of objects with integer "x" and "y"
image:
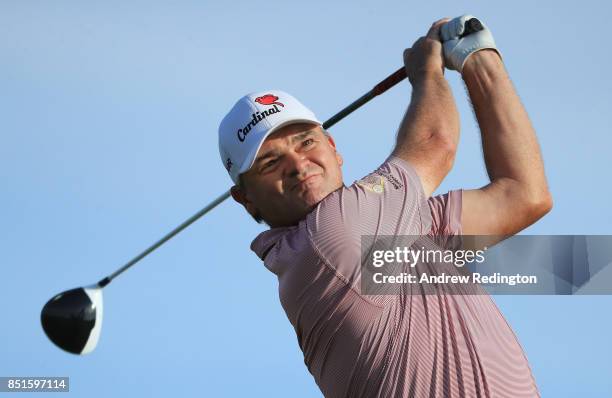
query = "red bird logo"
{"x": 268, "y": 99}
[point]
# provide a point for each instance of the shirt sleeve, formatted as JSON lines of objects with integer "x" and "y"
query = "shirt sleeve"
{"x": 388, "y": 201}
{"x": 446, "y": 213}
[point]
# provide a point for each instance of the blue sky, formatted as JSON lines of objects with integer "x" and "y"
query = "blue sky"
{"x": 108, "y": 139}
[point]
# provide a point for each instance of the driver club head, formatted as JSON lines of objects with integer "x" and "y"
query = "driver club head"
{"x": 72, "y": 320}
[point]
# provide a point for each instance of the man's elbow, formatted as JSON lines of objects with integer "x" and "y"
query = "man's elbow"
{"x": 445, "y": 149}
{"x": 537, "y": 206}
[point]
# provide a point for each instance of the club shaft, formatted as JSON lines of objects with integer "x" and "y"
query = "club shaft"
{"x": 380, "y": 88}
{"x": 163, "y": 240}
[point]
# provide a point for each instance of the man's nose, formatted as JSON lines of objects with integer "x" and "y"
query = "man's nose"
{"x": 297, "y": 164}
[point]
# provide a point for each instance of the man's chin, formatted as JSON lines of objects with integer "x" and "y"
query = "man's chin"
{"x": 300, "y": 209}
{"x": 312, "y": 198}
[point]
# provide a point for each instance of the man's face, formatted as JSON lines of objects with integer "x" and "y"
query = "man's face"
{"x": 295, "y": 168}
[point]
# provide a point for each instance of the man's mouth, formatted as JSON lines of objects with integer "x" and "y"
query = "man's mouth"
{"x": 305, "y": 181}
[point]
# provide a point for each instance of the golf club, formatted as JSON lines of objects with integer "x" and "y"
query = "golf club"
{"x": 73, "y": 319}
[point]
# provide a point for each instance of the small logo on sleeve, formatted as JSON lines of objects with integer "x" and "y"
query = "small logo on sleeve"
{"x": 390, "y": 178}
{"x": 373, "y": 183}
{"x": 228, "y": 164}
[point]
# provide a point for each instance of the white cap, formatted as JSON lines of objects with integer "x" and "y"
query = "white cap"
{"x": 254, "y": 117}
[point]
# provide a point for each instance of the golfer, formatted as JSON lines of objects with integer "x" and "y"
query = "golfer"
{"x": 287, "y": 173}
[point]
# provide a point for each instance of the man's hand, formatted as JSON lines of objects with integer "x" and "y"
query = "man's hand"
{"x": 457, "y": 49}
{"x": 425, "y": 59}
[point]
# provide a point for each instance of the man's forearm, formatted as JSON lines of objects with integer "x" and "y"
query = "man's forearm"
{"x": 429, "y": 131}
{"x": 432, "y": 113}
{"x": 511, "y": 150}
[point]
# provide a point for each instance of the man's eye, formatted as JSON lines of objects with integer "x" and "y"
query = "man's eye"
{"x": 308, "y": 142}
{"x": 269, "y": 164}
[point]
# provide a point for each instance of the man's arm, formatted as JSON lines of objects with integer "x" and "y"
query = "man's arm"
{"x": 428, "y": 134}
{"x": 518, "y": 194}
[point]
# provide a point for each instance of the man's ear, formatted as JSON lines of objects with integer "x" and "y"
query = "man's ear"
{"x": 240, "y": 196}
{"x": 333, "y": 145}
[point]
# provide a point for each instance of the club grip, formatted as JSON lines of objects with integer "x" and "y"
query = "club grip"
{"x": 472, "y": 25}
{"x": 390, "y": 81}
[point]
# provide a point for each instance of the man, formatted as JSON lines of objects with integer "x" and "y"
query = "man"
{"x": 287, "y": 173}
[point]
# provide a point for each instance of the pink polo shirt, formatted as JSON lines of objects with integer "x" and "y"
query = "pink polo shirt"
{"x": 358, "y": 345}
